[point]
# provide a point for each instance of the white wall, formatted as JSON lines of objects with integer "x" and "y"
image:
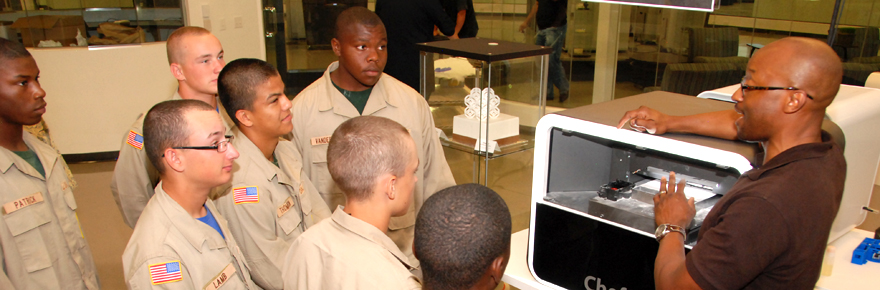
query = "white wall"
{"x": 247, "y": 41}
{"x": 94, "y": 95}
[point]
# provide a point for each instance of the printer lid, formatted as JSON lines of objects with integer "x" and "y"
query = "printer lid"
{"x": 609, "y": 113}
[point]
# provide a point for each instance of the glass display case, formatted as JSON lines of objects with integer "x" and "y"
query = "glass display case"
{"x": 486, "y": 95}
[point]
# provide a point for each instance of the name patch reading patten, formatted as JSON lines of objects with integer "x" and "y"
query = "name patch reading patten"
{"x": 320, "y": 140}
{"x": 221, "y": 278}
{"x": 23, "y": 202}
{"x": 285, "y": 207}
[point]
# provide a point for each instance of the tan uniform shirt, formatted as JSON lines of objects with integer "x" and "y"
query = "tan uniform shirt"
{"x": 134, "y": 176}
{"x": 344, "y": 252}
{"x": 320, "y": 108}
{"x": 41, "y": 242}
{"x": 284, "y": 206}
{"x": 171, "y": 250}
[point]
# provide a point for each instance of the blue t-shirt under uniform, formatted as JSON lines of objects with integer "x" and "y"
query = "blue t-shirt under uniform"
{"x": 209, "y": 219}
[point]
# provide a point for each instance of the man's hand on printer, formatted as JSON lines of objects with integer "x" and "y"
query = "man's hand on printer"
{"x": 644, "y": 119}
{"x": 720, "y": 124}
{"x": 671, "y": 206}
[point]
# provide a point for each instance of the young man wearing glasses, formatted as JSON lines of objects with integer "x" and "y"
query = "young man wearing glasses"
{"x": 756, "y": 236}
{"x": 196, "y": 58}
{"x": 271, "y": 200}
{"x": 181, "y": 240}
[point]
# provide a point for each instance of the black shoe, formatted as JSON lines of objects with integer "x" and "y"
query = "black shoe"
{"x": 563, "y": 97}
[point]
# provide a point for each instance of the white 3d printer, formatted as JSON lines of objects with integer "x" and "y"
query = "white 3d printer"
{"x": 592, "y": 223}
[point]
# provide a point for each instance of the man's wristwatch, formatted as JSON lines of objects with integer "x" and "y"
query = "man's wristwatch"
{"x": 664, "y": 229}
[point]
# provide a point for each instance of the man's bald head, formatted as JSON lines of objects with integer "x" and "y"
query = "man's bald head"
{"x": 175, "y": 46}
{"x": 805, "y": 63}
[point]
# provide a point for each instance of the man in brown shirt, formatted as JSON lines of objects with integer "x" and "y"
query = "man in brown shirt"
{"x": 756, "y": 236}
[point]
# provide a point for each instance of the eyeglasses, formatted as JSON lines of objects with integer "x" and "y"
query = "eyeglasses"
{"x": 220, "y": 147}
{"x": 745, "y": 87}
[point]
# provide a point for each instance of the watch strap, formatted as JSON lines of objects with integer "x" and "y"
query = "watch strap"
{"x": 668, "y": 228}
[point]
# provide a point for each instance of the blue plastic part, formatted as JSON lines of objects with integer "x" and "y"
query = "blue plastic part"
{"x": 868, "y": 250}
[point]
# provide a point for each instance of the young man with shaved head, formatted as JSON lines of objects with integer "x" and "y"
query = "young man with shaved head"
{"x": 196, "y": 58}
{"x": 374, "y": 162}
{"x": 756, "y": 236}
{"x": 181, "y": 241}
{"x": 355, "y": 86}
{"x": 463, "y": 239}
{"x": 41, "y": 241}
{"x": 271, "y": 200}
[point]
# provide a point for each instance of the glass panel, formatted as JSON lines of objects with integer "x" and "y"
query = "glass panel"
{"x": 456, "y": 100}
{"x": 858, "y": 40}
{"x": 308, "y": 27}
{"x": 689, "y": 52}
{"x": 52, "y": 23}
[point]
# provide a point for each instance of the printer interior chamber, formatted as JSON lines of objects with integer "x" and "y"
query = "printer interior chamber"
{"x": 596, "y": 240}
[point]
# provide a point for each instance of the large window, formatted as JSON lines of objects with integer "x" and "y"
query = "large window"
{"x": 689, "y": 52}
{"x": 52, "y": 23}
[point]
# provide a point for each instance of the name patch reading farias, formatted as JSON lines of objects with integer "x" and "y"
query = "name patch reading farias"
{"x": 285, "y": 207}
{"x": 320, "y": 140}
{"x": 221, "y": 278}
{"x": 23, "y": 202}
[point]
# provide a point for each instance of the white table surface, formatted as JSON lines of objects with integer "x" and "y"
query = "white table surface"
{"x": 845, "y": 275}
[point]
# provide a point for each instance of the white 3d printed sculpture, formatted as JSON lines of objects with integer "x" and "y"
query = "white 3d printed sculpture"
{"x": 484, "y": 105}
{"x": 482, "y": 119}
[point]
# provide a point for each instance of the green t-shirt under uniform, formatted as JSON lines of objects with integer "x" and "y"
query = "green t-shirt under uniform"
{"x": 358, "y": 99}
{"x": 31, "y": 157}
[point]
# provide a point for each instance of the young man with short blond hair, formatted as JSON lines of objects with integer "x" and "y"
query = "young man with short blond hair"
{"x": 195, "y": 57}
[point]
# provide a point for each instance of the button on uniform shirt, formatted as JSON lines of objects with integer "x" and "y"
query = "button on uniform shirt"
{"x": 41, "y": 242}
{"x": 344, "y": 252}
{"x": 169, "y": 249}
{"x": 269, "y": 206}
{"x": 320, "y": 108}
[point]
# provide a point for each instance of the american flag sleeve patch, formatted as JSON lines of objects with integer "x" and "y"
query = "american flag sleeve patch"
{"x": 165, "y": 272}
{"x": 246, "y": 194}
{"x": 135, "y": 140}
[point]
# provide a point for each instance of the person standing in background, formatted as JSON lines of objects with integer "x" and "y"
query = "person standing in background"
{"x": 550, "y": 16}
{"x": 408, "y": 22}
{"x": 462, "y": 11}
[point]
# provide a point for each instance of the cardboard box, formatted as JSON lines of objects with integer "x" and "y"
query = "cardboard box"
{"x": 61, "y": 28}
